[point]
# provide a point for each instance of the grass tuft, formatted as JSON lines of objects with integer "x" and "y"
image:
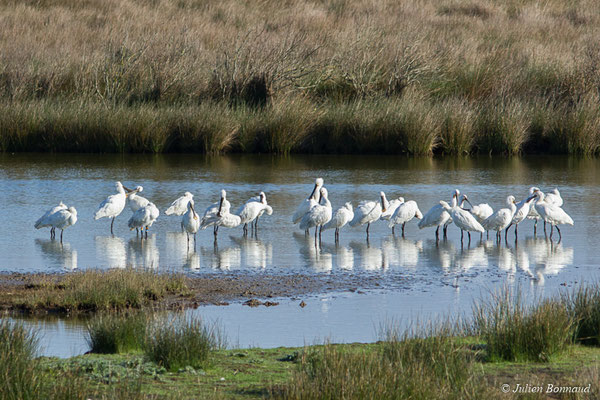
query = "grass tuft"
{"x": 180, "y": 342}
{"x": 583, "y": 304}
{"x": 111, "y": 333}
{"x": 515, "y": 331}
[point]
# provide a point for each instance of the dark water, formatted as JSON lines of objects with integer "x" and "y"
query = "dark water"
{"x": 421, "y": 277}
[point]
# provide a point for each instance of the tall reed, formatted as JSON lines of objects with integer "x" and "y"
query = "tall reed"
{"x": 116, "y": 332}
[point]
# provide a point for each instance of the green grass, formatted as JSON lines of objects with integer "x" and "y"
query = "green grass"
{"x": 514, "y": 330}
{"x": 179, "y": 342}
{"x": 583, "y": 304}
{"x": 97, "y": 290}
{"x": 116, "y": 332}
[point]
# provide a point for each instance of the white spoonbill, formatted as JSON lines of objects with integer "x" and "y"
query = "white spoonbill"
{"x": 318, "y": 215}
{"x": 252, "y": 209}
{"x": 404, "y": 213}
{"x": 180, "y": 205}
{"x": 309, "y": 202}
{"x": 136, "y": 202}
{"x": 533, "y": 214}
{"x": 210, "y": 214}
{"x": 368, "y": 212}
{"x": 463, "y": 219}
{"x": 501, "y": 219}
{"x": 437, "y": 216}
{"x": 480, "y": 211}
{"x": 523, "y": 208}
{"x": 341, "y": 217}
{"x": 552, "y": 214}
{"x": 190, "y": 222}
{"x": 390, "y": 207}
{"x": 112, "y": 206}
{"x": 262, "y": 197}
{"x": 144, "y": 217}
{"x": 62, "y": 219}
{"x": 44, "y": 220}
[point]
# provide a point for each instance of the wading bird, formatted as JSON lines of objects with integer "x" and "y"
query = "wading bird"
{"x": 437, "y": 216}
{"x": 62, "y": 219}
{"x": 480, "y": 211}
{"x": 523, "y": 209}
{"x": 112, "y": 206}
{"x": 368, "y": 212}
{"x": 341, "y": 217}
{"x": 390, "y": 207}
{"x": 252, "y": 210}
{"x": 44, "y": 220}
{"x": 463, "y": 219}
{"x": 190, "y": 222}
{"x": 404, "y": 213}
{"x": 210, "y": 214}
{"x": 501, "y": 219}
{"x": 180, "y": 206}
{"x": 143, "y": 218}
{"x": 136, "y": 202}
{"x": 552, "y": 214}
{"x": 309, "y": 202}
{"x": 317, "y": 216}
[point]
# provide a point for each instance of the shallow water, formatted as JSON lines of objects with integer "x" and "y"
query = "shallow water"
{"x": 419, "y": 274}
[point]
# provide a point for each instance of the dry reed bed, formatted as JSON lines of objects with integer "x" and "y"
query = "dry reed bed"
{"x": 300, "y": 76}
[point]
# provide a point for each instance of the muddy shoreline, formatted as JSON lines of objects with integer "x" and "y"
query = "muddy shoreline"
{"x": 208, "y": 289}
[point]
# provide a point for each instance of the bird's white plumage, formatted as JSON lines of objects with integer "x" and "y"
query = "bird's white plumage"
{"x": 180, "y": 205}
{"x": 481, "y": 212}
{"x": 190, "y": 219}
{"x": 463, "y": 219}
{"x": 136, "y": 202}
{"x": 63, "y": 218}
{"x": 390, "y": 207}
{"x": 144, "y": 217}
{"x": 210, "y": 214}
{"x": 319, "y": 214}
{"x": 523, "y": 209}
{"x": 502, "y": 218}
{"x": 405, "y": 212}
{"x": 341, "y": 217}
{"x": 113, "y": 205}
{"x": 554, "y": 198}
{"x": 253, "y": 209}
{"x": 551, "y": 213}
{"x": 44, "y": 220}
{"x": 309, "y": 202}
{"x": 366, "y": 212}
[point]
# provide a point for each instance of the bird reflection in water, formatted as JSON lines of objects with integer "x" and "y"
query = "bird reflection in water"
{"x": 401, "y": 252}
{"x": 313, "y": 253}
{"x": 144, "y": 252}
{"x": 254, "y": 253}
{"x": 177, "y": 248}
{"x": 112, "y": 249}
{"x": 57, "y": 253}
{"x": 222, "y": 259}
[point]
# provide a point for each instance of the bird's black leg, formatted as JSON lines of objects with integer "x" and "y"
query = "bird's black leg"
{"x": 111, "y": 226}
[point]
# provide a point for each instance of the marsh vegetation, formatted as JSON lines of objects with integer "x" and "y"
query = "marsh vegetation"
{"x": 334, "y": 76}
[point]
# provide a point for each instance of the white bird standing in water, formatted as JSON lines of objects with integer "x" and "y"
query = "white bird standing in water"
{"x": 404, "y": 213}
{"x": 112, "y": 206}
{"x": 252, "y": 209}
{"x": 44, "y": 220}
{"x": 190, "y": 222}
{"x": 309, "y": 202}
{"x": 144, "y": 217}
{"x": 318, "y": 215}
{"x": 180, "y": 205}
{"x": 62, "y": 219}
{"x": 437, "y": 216}
{"x": 136, "y": 202}
{"x": 463, "y": 219}
{"x": 523, "y": 208}
{"x": 341, "y": 217}
{"x": 481, "y": 212}
{"x": 210, "y": 214}
{"x": 368, "y": 212}
{"x": 501, "y": 219}
{"x": 551, "y": 213}
{"x": 390, "y": 207}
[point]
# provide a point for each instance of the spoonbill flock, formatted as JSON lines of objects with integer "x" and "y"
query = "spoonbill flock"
{"x": 316, "y": 212}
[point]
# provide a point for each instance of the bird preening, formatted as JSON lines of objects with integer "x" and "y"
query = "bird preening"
{"x": 316, "y": 211}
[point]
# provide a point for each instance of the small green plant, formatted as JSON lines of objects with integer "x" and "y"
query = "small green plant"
{"x": 116, "y": 332}
{"x": 515, "y": 331}
{"x": 583, "y": 304}
{"x": 180, "y": 342}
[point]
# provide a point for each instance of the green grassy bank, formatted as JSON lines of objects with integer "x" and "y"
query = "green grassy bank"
{"x": 312, "y": 76}
{"x": 508, "y": 343}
